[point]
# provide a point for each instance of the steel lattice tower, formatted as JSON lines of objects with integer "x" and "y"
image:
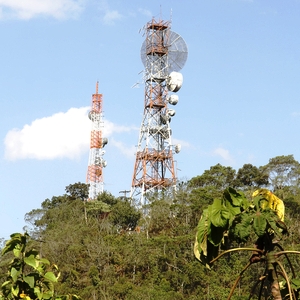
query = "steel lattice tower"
{"x": 96, "y": 162}
{"x": 163, "y": 51}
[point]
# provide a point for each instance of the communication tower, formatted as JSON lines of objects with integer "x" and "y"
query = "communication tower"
{"x": 96, "y": 162}
{"x": 163, "y": 54}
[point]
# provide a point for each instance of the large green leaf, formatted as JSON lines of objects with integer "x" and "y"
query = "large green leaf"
{"x": 14, "y": 273}
{"x": 16, "y": 236}
{"x": 10, "y": 245}
{"x": 50, "y": 276}
{"x": 218, "y": 214}
{"x": 295, "y": 283}
{"x": 17, "y": 250}
{"x": 233, "y": 210}
{"x": 234, "y": 201}
{"x": 29, "y": 280}
{"x": 15, "y": 290}
{"x": 215, "y": 235}
{"x": 31, "y": 261}
{"x": 46, "y": 262}
{"x": 5, "y": 283}
{"x": 205, "y": 251}
{"x": 259, "y": 224}
{"x": 241, "y": 227}
{"x": 16, "y": 239}
{"x": 236, "y": 198}
{"x": 202, "y": 230}
{"x": 272, "y": 220}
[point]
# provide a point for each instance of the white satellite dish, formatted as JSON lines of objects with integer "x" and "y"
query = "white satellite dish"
{"x": 104, "y": 142}
{"x": 171, "y": 112}
{"x": 177, "y": 148}
{"x": 173, "y": 99}
{"x": 174, "y": 81}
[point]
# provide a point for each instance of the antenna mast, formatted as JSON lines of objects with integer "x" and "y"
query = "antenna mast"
{"x": 96, "y": 162}
{"x": 163, "y": 51}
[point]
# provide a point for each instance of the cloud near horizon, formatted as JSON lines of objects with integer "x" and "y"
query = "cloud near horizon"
{"x": 25, "y": 10}
{"x": 62, "y": 135}
{"x": 224, "y": 154}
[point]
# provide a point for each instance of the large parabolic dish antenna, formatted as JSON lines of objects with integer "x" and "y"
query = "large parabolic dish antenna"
{"x": 176, "y": 52}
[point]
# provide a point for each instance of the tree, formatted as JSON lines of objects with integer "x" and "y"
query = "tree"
{"x": 217, "y": 176}
{"x": 250, "y": 176}
{"x": 78, "y": 191}
{"x": 124, "y": 216}
{"x": 29, "y": 276}
{"x": 283, "y": 171}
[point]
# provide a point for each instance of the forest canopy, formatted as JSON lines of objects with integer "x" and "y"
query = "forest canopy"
{"x": 107, "y": 249}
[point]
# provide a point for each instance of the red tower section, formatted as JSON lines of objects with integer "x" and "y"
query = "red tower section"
{"x": 96, "y": 162}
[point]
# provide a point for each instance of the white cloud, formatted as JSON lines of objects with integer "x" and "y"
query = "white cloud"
{"x": 224, "y": 154}
{"x": 111, "y": 16}
{"x": 181, "y": 142}
{"x": 62, "y": 135}
{"x": 28, "y": 9}
{"x": 110, "y": 128}
{"x": 127, "y": 151}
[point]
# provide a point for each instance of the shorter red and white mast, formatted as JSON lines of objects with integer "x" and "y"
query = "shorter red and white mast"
{"x": 96, "y": 162}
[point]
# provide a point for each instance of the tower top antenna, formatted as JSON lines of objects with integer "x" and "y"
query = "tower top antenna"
{"x": 97, "y": 84}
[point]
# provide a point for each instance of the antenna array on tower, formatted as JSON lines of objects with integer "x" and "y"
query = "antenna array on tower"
{"x": 163, "y": 53}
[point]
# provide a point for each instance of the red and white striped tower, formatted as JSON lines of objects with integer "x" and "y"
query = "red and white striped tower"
{"x": 96, "y": 162}
{"x": 162, "y": 53}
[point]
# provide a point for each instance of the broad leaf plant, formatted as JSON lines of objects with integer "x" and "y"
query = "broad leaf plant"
{"x": 233, "y": 217}
{"x": 29, "y": 276}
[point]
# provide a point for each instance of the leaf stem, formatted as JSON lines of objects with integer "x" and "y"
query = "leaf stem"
{"x": 236, "y": 249}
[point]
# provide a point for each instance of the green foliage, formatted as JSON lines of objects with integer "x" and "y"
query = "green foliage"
{"x": 124, "y": 216}
{"x": 251, "y": 176}
{"x": 283, "y": 171}
{"x": 217, "y": 176}
{"x": 29, "y": 276}
{"x": 232, "y": 217}
{"x": 77, "y": 191}
{"x": 97, "y": 207}
{"x": 101, "y": 257}
{"x": 216, "y": 221}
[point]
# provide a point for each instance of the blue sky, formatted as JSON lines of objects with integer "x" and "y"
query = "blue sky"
{"x": 239, "y": 102}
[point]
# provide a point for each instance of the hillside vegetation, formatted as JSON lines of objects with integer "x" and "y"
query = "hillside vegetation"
{"x": 106, "y": 249}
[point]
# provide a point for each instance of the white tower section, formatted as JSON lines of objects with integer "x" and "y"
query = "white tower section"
{"x": 96, "y": 162}
{"x": 163, "y": 51}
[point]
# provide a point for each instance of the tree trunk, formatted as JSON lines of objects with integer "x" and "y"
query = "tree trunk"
{"x": 275, "y": 289}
